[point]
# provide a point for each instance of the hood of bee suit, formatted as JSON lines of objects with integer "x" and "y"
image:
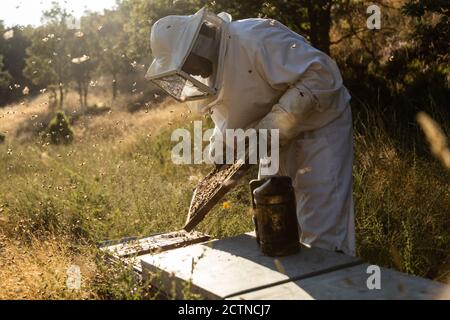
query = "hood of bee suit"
{"x": 173, "y": 38}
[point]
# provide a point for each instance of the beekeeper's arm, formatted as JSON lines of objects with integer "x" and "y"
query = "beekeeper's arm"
{"x": 295, "y": 105}
{"x": 309, "y": 80}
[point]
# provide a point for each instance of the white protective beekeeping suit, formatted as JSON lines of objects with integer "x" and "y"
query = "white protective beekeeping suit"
{"x": 268, "y": 77}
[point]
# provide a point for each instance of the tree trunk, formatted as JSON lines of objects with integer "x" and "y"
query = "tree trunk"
{"x": 61, "y": 97}
{"x": 80, "y": 94}
{"x": 52, "y": 100}
{"x": 114, "y": 88}
{"x": 85, "y": 93}
{"x": 87, "y": 80}
{"x": 319, "y": 13}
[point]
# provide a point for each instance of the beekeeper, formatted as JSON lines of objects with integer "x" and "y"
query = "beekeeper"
{"x": 258, "y": 73}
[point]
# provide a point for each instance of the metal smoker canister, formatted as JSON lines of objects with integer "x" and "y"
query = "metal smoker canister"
{"x": 275, "y": 216}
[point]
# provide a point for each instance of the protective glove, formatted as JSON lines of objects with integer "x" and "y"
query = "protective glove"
{"x": 221, "y": 148}
{"x": 296, "y": 104}
{"x": 217, "y": 148}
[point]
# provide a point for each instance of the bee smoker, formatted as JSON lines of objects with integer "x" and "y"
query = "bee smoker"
{"x": 274, "y": 216}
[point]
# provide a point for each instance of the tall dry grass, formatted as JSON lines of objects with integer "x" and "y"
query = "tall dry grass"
{"x": 402, "y": 205}
{"x": 117, "y": 180}
{"x": 38, "y": 270}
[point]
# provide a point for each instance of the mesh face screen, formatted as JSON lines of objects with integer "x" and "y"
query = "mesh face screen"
{"x": 207, "y": 47}
{"x": 179, "y": 87}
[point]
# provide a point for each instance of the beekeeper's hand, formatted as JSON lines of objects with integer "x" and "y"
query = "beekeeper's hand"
{"x": 217, "y": 148}
{"x": 222, "y": 151}
{"x": 296, "y": 104}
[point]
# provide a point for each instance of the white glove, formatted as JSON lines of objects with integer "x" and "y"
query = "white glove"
{"x": 294, "y": 106}
{"x": 217, "y": 148}
{"x": 222, "y": 149}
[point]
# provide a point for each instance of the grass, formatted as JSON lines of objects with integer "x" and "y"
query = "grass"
{"x": 37, "y": 270}
{"x": 402, "y": 205}
{"x": 117, "y": 180}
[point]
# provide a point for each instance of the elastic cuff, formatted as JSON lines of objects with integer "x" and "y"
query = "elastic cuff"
{"x": 304, "y": 90}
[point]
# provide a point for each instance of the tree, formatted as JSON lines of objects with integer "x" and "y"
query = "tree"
{"x": 310, "y": 18}
{"x": 111, "y": 43}
{"x": 84, "y": 51}
{"x": 5, "y": 77}
{"x": 140, "y": 16}
{"x": 432, "y": 32}
{"x": 49, "y": 60}
{"x": 13, "y": 50}
{"x": 319, "y": 13}
{"x": 81, "y": 73}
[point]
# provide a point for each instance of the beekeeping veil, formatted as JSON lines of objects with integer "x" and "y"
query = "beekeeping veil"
{"x": 173, "y": 39}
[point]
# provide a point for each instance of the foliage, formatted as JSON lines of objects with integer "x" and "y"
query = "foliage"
{"x": 433, "y": 28}
{"x": 12, "y": 62}
{"x": 49, "y": 59}
{"x": 59, "y": 130}
{"x": 107, "y": 31}
{"x": 390, "y": 71}
{"x": 5, "y": 77}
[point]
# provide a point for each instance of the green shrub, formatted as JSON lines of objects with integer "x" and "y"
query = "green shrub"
{"x": 2, "y": 138}
{"x": 59, "y": 130}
